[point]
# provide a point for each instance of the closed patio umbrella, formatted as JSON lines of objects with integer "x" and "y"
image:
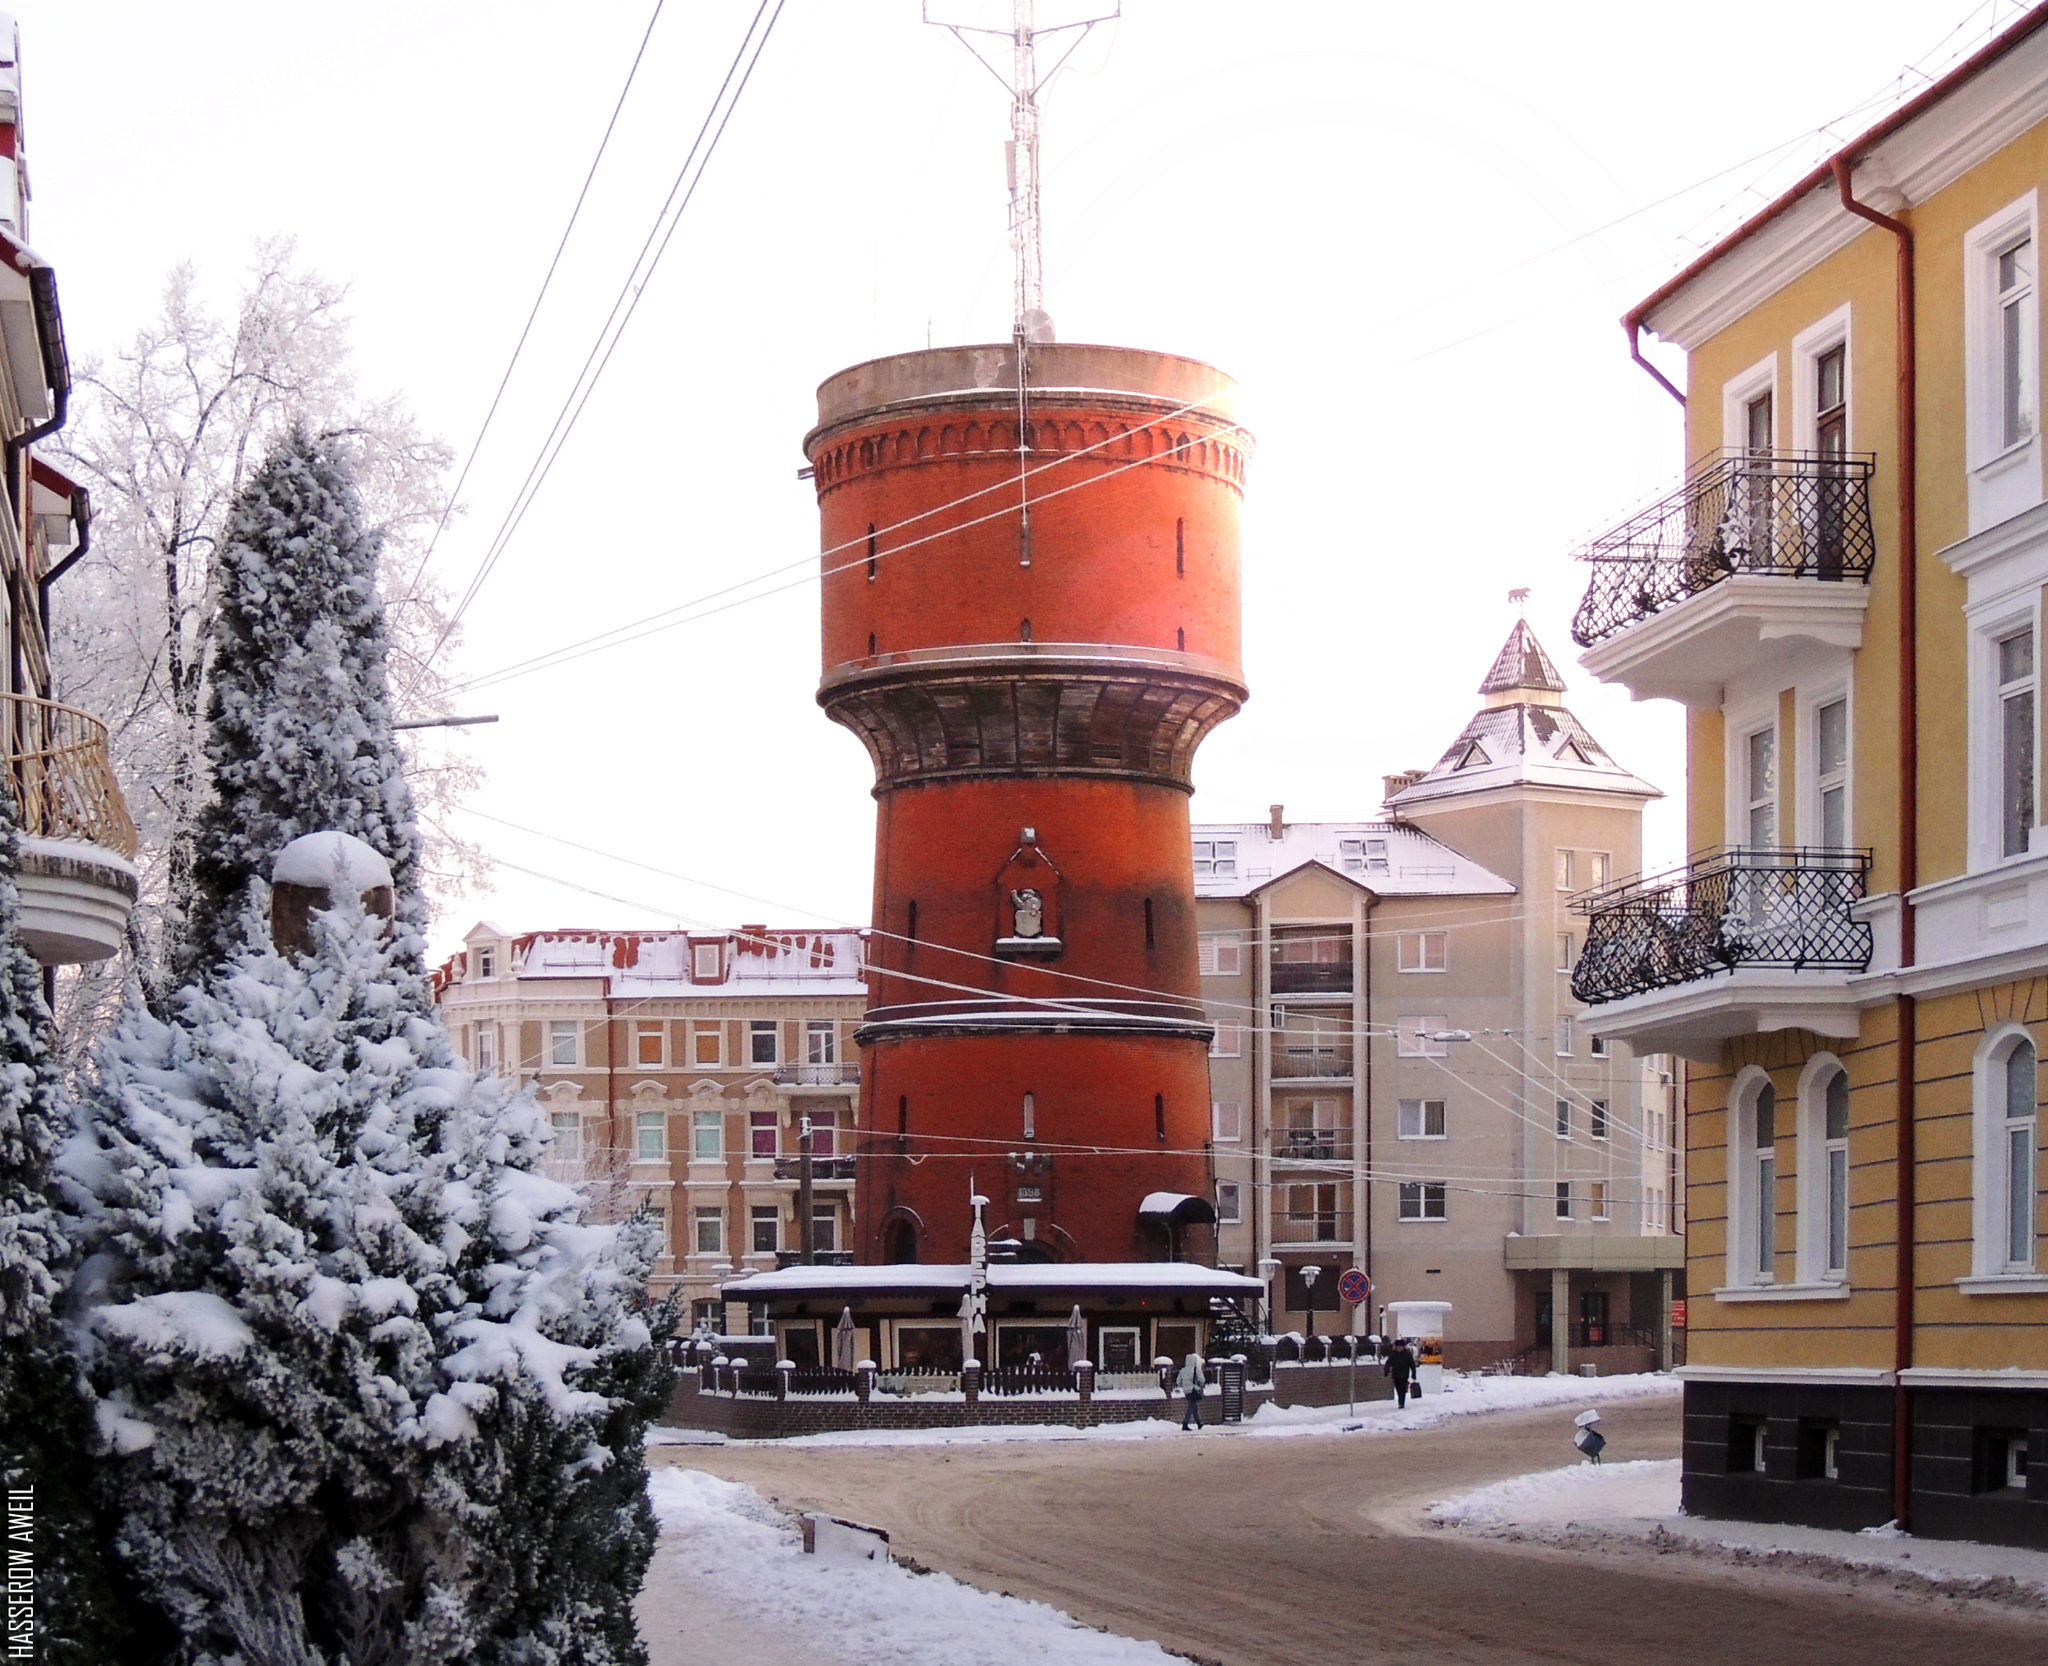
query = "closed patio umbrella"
{"x": 843, "y": 1341}
{"x": 1077, "y": 1338}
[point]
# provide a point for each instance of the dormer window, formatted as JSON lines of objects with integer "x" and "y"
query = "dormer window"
{"x": 1473, "y": 757}
{"x": 1215, "y": 858}
{"x": 486, "y": 963}
{"x": 707, "y": 962}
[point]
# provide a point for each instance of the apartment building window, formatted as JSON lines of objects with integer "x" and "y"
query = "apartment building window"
{"x": 1567, "y": 870}
{"x": 1831, "y": 400}
{"x": 486, "y": 1048}
{"x": 1653, "y": 1208}
{"x": 2021, "y": 1097}
{"x": 1311, "y": 1131}
{"x": 1760, "y": 777}
{"x": 707, "y": 1043}
{"x": 650, "y": 1135}
{"x": 1228, "y": 1042}
{"x": 1599, "y": 1119}
{"x": 1215, "y": 858}
{"x": 1564, "y": 951}
{"x": 761, "y": 1040}
{"x": 1564, "y": 1119}
{"x": 1229, "y": 1203}
{"x": 710, "y": 1231}
{"x": 2016, "y": 741}
{"x": 1764, "y": 1182}
{"x": 1226, "y": 1116}
{"x": 1598, "y": 1194}
{"x": 825, "y": 1135}
{"x": 1596, "y": 1046}
{"x": 650, "y": 1050}
{"x": 1599, "y": 867}
{"x": 821, "y": 1041}
{"x": 568, "y": 1130}
{"x": 2016, "y": 343}
{"x": 825, "y": 1226}
{"x": 1564, "y": 1200}
{"x": 1566, "y": 1034}
{"x": 766, "y": 1221}
{"x": 562, "y": 1042}
{"x": 1415, "y": 1038}
{"x": 761, "y": 1133}
{"x": 1222, "y": 954}
{"x": 1835, "y": 1127}
{"x": 1421, "y": 1119}
{"x": 1423, "y": 951}
{"x": 1315, "y": 1209}
{"x": 1423, "y": 1200}
{"x": 707, "y": 1134}
{"x": 1831, "y": 771}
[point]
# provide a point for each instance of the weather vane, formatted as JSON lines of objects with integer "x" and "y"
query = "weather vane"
{"x": 1518, "y": 599}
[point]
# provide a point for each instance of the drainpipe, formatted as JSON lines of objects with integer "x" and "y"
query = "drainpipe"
{"x": 1632, "y": 322}
{"x": 81, "y": 517}
{"x": 1370, "y": 901}
{"x": 1909, "y": 822}
{"x": 611, "y": 1075}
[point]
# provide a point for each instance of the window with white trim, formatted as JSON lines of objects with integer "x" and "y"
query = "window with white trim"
{"x": 1599, "y": 1119}
{"x": 650, "y": 1135}
{"x": 1229, "y": 1203}
{"x": 2018, "y": 1182}
{"x": 1760, "y": 779}
{"x": 1362, "y": 855}
{"x": 1598, "y": 1193}
{"x": 2013, "y": 274}
{"x": 707, "y": 1134}
{"x": 486, "y": 1048}
{"x": 1753, "y": 1222}
{"x": 1423, "y": 951}
{"x": 1226, "y": 1117}
{"x": 821, "y": 1041}
{"x": 1228, "y": 1042}
{"x": 765, "y": 1219}
{"x": 1222, "y": 954}
{"x": 761, "y": 1133}
{"x": 1566, "y": 1034}
{"x": 1565, "y": 957}
{"x": 1831, "y": 770}
{"x": 710, "y": 1231}
{"x": 486, "y": 963}
{"x": 705, "y": 961}
{"x": 562, "y": 1042}
{"x": 568, "y": 1131}
{"x": 1424, "y": 1200}
{"x": 1415, "y": 1038}
{"x": 1564, "y": 1119}
{"x": 1596, "y": 1046}
{"x": 1215, "y": 858}
{"x": 1422, "y": 1119}
{"x": 650, "y": 1048}
{"x": 2015, "y": 741}
{"x": 1564, "y": 1200}
{"x": 761, "y": 1040}
{"x": 1567, "y": 870}
{"x": 1835, "y": 1133}
{"x": 707, "y": 1043}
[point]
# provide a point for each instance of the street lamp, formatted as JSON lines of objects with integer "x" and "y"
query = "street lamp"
{"x": 1309, "y": 1275}
{"x": 1268, "y": 1270}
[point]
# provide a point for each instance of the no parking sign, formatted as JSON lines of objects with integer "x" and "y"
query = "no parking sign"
{"x": 1354, "y": 1286}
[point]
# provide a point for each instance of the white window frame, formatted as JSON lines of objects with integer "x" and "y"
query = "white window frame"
{"x": 1222, "y": 954}
{"x": 1596, "y": 1191}
{"x": 1810, "y": 1150}
{"x": 1991, "y": 623}
{"x": 1807, "y": 348}
{"x": 1421, "y": 1194}
{"x": 1737, "y": 393}
{"x": 699, "y": 1122}
{"x": 758, "y": 1215}
{"x": 1565, "y": 863}
{"x": 1412, "y": 951}
{"x": 655, "y": 1123}
{"x": 1567, "y": 951}
{"x": 823, "y": 1030}
{"x": 1739, "y": 722}
{"x": 567, "y": 1129}
{"x": 1562, "y": 1208}
{"x": 1421, "y": 1119}
{"x": 712, "y": 971}
{"x": 1807, "y": 761}
{"x": 756, "y": 1029}
{"x": 1215, "y": 858}
{"x": 486, "y": 1049}
{"x": 1599, "y": 1119}
{"x": 1228, "y": 1042}
{"x": 558, "y": 1029}
{"x": 1561, "y": 1123}
{"x": 1567, "y": 1035}
{"x": 1989, "y": 1198}
{"x": 1226, "y": 1113}
{"x": 2003, "y": 479}
{"x": 1413, "y": 1037}
{"x": 715, "y": 1219}
{"x": 658, "y": 1028}
{"x": 1229, "y": 1203}
{"x": 1742, "y": 1270}
{"x": 715, "y": 1027}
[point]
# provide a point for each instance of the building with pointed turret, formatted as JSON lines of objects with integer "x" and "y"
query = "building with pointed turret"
{"x": 1399, "y": 1079}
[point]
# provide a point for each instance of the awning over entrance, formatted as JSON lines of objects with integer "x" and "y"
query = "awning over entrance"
{"x": 1178, "y": 1208}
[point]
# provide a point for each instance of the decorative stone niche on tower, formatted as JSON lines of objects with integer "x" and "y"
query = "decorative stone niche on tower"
{"x": 1114, "y": 533}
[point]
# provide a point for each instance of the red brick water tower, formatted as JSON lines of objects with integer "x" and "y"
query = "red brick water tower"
{"x": 1032, "y": 644}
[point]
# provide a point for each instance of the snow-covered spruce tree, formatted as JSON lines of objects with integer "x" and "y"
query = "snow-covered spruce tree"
{"x": 45, "y": 1419}
{"x": 372, "y": 1387}
{"x": 298, "y": 715}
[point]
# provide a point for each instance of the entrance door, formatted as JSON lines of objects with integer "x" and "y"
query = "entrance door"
{"x": 1593, "y": 1319}
{"x": 1120, "y": 1347}
{"x": 800, "y": 1345}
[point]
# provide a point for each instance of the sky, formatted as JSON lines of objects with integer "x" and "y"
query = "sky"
{"x": 1407, "y": 231}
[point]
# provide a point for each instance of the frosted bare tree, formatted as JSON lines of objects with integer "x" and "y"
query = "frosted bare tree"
{"x": 165, "y": 432}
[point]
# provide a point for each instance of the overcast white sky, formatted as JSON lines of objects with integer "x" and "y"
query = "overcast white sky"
{"x": 1407, "y": 230}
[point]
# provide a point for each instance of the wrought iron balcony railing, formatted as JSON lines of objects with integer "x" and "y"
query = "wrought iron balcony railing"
{"x": 1305, "y": 1063}
{"x": 822, "y": 1168}
{"x": 1311, "y": 1145}
{"x": 64, "y": 786}
{"x": 1730, "y": 907}
{"x": 818, "y": 1075}
{"x": 1789, "y": 514}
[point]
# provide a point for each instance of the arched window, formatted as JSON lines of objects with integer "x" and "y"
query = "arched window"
{"x": 1753, "y": 1226}
{"x": 2005, "y": 1168}
{"x": 1835, "y": 1110}
{"x": 1821, "y": 1183}
{"x": 902, "y": 1244}
{"x": 1764, "y": 1184}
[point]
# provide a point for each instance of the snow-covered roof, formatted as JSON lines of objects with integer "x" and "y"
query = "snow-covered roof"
{"x": 1388, "y": 858}
{"x": 1182, "y": 1276}
{"x": 753, "y": 961}
{"x": 1521, "y": 737}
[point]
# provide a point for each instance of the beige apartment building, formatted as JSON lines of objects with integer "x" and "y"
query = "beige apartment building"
{"x": 677, "y": 1069}
{"x": 1400, "y": 1080}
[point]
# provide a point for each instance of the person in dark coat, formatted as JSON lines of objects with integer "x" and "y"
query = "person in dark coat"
{"x": 1402, "y": 1368}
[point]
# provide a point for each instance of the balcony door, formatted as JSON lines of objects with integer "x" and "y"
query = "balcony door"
{"x": 1756, "y": 479}
{"x": 1831, "y": 441}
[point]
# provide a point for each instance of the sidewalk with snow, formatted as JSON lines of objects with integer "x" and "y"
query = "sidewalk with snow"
{"x": 731, "y": 1581}
{"x": 1640, "y": 1501}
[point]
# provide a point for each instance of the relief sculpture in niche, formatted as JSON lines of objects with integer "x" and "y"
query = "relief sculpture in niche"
{"x": 1028, "y": 919}
{"x": 1027, "y": 902}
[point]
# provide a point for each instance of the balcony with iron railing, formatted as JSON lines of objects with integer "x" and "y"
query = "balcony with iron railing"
{"x": 822, "y": 1168}
{"x": 1753, "y": 554}
{"x": 818, "y": 1075}
{"x": 1738, "y": 940}
{"x": 1322, "y": 1226}
{"x": 1301, "y": 1061}
{"x": 1310, "y": 1145}
{"x": 77, "y": 877}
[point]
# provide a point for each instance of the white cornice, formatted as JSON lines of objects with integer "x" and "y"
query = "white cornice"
{"x": 1925, "y": 157}
{"x": 1843, "y": 1376}
{"x": 1971, "y": 555}
{"x": 1939, "y": 1376}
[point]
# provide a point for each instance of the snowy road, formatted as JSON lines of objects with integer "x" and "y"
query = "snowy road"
{"x": 1311, "y": 1551}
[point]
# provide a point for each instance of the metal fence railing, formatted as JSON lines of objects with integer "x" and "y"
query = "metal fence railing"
{"x": 63, "y": 782}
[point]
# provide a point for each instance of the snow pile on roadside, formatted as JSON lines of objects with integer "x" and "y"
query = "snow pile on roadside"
{"x": 1461, "y": 1396}
{"x": 750, "y": 1557}
{"x": 1646, "y": 1489}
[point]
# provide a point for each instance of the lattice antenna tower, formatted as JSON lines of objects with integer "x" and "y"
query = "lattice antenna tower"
{"x": 1031, "y": 323}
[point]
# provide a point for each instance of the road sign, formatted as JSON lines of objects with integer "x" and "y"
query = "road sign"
{"x": 1354, "y": 1286}
{"x": 1678, "y": 1314}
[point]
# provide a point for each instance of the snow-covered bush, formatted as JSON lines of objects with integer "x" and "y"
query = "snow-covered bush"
{"x": 370, "y": 1385}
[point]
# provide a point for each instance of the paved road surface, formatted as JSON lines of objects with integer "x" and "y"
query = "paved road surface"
{"x": 1302, "y": 1552}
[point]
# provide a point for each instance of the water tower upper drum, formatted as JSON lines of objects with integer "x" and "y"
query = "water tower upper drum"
{"x": 1032, "y": 645}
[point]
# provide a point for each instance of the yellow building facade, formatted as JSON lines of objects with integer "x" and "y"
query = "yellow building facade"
{"x": 1846, "y": 593}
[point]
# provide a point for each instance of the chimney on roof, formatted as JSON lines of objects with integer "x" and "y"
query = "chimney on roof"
{"x": 1399, "y": 782}
{"x": 1279, "y": 823}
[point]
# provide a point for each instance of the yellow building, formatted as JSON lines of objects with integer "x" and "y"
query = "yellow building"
{"x": 1846, "y": 593}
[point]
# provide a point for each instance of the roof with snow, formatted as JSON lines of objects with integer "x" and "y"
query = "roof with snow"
{"x": 750, "y": 961}
{"x": 1522, "y": 737}
{"x": 1388, "y": 858}
{"x": 1184, "y": 1277}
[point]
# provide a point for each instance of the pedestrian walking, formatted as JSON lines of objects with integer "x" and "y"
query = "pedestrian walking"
{"x": 1190, "y": 1382}
{"x": 1401, "y": 1367}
